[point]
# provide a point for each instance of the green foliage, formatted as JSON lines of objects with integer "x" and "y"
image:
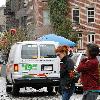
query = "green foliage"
{"x": 9, "y": 39}
{"x": 59, "y": 16}
{"x": 74, "y": 37}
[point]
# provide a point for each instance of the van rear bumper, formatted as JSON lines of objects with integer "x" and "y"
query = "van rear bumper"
{"x": 37, "y": 82}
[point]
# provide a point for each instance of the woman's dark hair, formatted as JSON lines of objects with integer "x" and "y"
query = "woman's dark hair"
{"x": 93, "y": 49}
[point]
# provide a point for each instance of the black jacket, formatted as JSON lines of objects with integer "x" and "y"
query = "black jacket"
{"x": 67, "y": 64}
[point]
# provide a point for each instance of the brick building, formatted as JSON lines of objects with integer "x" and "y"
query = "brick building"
{"x": 34, "y": 15}
{"x": 2, "y": 20}
{"x": 38, "y": 17}
{"x": 15, "y": 12}
{"x": 85, "y": 16}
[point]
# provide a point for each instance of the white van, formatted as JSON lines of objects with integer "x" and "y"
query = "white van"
{"x": 32, "y": 64}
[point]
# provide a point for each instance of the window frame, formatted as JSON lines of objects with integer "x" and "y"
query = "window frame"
{"x": 90, "y": 16}
{"x": 90, "y": 34}
{"x": 80, "y": 42}
{"x": 45, "y": 22}
{"x": 47, "y": 45}
{"x": 77, "y": 8}
{"x": 22, "y": 50}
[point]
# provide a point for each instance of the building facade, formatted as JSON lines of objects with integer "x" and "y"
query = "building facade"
{"x": 38, "y": 18}
{"x": 33, "y": 15}
{"x": 21, "y": 16}
{"x": 2, "y": 20}
{"x": 16, "y": 14}
{"x": 85, "y": 15}
{"x": 10, "y": 15}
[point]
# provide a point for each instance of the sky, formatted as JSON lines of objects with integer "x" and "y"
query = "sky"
{"x": 2, "y": 2}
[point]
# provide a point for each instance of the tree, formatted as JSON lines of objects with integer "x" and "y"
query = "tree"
{"x": 59, "y": 17}
{"x": 9, "y": 39}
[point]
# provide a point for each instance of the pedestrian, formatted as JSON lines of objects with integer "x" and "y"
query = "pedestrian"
{"x": 66, "y": 84}
{"x": 88, "y": 68}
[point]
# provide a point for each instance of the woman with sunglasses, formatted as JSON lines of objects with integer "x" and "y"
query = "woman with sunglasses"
{"x": 66, "y": 83}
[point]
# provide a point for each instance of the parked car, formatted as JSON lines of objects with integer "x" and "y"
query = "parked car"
{"x": 77, "y": 57}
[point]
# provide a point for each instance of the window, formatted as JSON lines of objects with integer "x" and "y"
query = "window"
{"x": 47, "y": 51}
{"x": 29, "y": 51}
{"x": 46, "y": 18}
{"x": 75, "y": 15}
{"x": 80, "y": 42}
{"x": 90, "y": 16}
{"x": 80, "y": 35}
{"x": 91, "y": 37}
{"x": 25, "y": 3}
{"x": 23, "y": 20}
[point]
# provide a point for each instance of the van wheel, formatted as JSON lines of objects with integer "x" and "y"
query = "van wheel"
{"x": 8, "y": 86}
{"x": 56, "y": 90}
{"x": 8, "y": 89}
{"x": 59, "y": 90}
{"x": 15, "y": 90}
{"x": 50, "y": 89}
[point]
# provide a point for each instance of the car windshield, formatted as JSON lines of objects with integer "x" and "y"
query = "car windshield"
{"x": 29, "y": 51}
{"x": 47, "y": 51}
{"x": 76, "y": 55}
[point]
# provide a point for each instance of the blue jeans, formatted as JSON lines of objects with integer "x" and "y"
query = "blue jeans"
{"x": 67, "y": 93}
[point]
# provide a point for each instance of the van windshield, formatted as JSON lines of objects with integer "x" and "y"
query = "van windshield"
{"x": 47, "y": 51}
{"x": 29, "y": 51}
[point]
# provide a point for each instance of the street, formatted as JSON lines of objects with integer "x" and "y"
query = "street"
{"x": 31, "y": 94}
{"x": 47, "y": 42}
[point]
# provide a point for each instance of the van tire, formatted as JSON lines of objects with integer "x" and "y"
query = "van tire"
{"x": 50, "y": 89}
{"x": 56, "y": 89}
{"x": 8, "y": 89}
{"x": 15, "y": 90}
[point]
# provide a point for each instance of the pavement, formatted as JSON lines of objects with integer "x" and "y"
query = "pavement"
{"x": 32, "y": 94}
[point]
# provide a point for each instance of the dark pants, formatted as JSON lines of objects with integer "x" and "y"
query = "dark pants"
{"x": 67, "y": 93}
{"x": 90, "y": 95}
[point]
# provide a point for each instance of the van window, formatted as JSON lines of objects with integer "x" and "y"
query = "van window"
{"x": 47, "y": 51}
{"x": 29, "y": 51}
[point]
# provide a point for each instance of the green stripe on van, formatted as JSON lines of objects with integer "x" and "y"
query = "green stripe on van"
{"x": 29, "y": 66}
